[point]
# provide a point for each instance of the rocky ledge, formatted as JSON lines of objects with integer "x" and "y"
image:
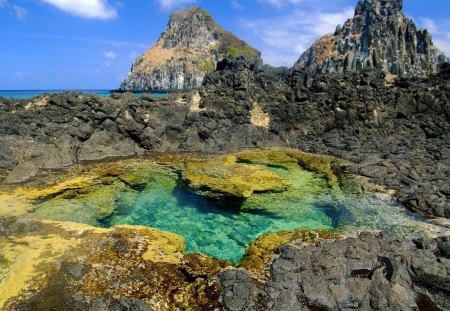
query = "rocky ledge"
{"x": 371, "y": 272}
{"x": 66, "y": 266}
{"x": 396, "y": 132}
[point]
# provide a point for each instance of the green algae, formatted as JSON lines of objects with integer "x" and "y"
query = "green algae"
{"x": 305, "y": 192}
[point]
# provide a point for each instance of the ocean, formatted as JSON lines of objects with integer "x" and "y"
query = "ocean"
{"x": 24, "y": 94}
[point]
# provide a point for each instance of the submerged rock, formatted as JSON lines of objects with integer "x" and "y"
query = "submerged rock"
{"x": 224, "y": 178}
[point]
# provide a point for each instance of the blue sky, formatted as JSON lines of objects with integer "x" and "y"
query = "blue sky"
{"x": 90, "y": 44}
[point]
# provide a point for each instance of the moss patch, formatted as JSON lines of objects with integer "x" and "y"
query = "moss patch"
{"x": 260, "y": 251}
{"x": 207, "y": 66}
{"x": 281, "y": 156}
{"x": 223, "y": 177}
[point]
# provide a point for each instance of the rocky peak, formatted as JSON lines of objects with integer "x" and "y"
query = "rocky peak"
{"x": 191, "y": 46}
{"x": 192, "y": 28}
{"x": 379, "y": 7}
{"x": 379, "y": 37}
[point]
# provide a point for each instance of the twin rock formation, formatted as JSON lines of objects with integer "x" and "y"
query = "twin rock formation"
{"x": 379, "y": 37}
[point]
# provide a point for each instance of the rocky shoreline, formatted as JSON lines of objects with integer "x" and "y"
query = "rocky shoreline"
{"x": 370, "y": 272}
{"x": 367, "y": 119}
{"x": 352, "y": 106}
{"x": 396, "y": 132}
{"x": 78, "y": 267}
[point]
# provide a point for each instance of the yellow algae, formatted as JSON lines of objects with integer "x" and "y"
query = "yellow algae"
{"x": 30, "y": 257}
{"x": 282, "y": 156}
{"x": 25, "y": 255}
{"x": 222, "y": 176}
{"x": 162, "y": 246}
{"x": 13, "y": 205}
{"x": 59, "y": 188}
{"x": 260, "y": 251}
{"x": 75, "y": 228}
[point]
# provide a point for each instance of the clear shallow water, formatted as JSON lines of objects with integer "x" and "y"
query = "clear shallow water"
{"x": 221, "y": 231}
{"x": 26, "y": 94}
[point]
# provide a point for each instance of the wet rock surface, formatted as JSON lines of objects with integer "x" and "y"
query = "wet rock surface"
{"x": 79, "y": 267}
{"x": 371, "y": 272}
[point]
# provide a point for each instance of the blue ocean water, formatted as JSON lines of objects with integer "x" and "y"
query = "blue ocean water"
{"x": 25, "y": 94}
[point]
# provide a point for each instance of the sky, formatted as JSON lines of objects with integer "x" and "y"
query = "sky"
{"x": 90, "y": 44}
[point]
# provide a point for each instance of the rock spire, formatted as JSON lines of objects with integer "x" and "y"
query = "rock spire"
{"x": 191, "y": 46}
{"x": 379, "y": 37}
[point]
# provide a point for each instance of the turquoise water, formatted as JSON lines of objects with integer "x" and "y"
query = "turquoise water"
{"x": 25, "y": 94}
{"x": 220, "y": 229}
{"x": 222, "y": 232}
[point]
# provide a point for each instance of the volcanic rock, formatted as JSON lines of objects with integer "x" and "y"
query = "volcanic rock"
{"x": 190, "y": 47}
{"x": 379, "y": 37}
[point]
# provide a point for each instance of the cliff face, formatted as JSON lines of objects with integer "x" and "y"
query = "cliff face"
{"x": 379, "y": 37}
{"x": 191, "y": 46}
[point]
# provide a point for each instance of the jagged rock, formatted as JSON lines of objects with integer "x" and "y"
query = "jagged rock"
{"x": 397, "y": 133}
{"x": 371, "y": 272}
{"x": 191, "y": 46}
{"x": 379, "y": 37}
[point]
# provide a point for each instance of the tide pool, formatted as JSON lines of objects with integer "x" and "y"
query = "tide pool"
{"x": 150, "y": 194}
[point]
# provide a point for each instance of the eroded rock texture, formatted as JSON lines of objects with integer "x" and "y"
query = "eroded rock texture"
{"x": 379, "y": 37}
{"x": 68, "y": 266}
{"x": 397, "y": 132}
{"x": 190, "y": 47}
{"x": 365, "y": 273}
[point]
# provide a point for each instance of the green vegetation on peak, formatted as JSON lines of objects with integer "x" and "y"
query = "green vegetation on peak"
{"x": 207, "y": 65}
{"x": 231, "y": 46}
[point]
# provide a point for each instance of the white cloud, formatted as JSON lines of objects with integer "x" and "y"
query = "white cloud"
{"x": 20, "y": 12}
{"x": 20, "y": 75}
{"x": 236, "y": 5}
{"x": 429, "y": 24}
{"x": 133, "y": 55}
{"x": 280, "y": 3}
{"x": 443, "y": 45}
{"x": 283, "y": 39}
{"x": 170, "y": 4}
{"x": 92, "y": 9}
{"x": 110, "y": 55}
{"x": 440, "y": 31}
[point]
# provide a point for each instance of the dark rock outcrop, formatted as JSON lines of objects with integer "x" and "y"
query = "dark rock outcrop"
{"x": 397, "y": 132}
{"x": 190, "y": 47}
{"x": 380, "y": 38}
{"x": 370, "y": 272}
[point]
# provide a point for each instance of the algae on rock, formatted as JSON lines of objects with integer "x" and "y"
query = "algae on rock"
{"x": 224, "y": 178}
